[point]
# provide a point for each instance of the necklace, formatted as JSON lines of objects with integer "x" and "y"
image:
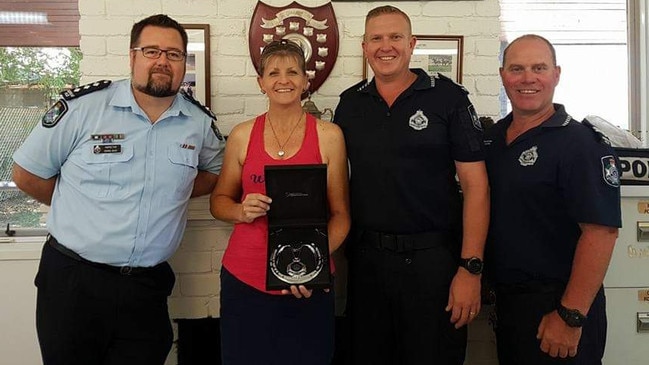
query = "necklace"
{"x": 281, "y": 151}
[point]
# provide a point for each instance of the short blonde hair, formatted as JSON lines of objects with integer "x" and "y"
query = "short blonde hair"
{"x": 387, "y": 9}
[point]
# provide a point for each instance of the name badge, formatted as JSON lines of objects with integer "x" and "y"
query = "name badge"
{"x": 107, "y": 148}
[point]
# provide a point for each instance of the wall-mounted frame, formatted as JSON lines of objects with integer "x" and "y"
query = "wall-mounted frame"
{"x": 434, "y": 53}
{"x": 197, "y": 74}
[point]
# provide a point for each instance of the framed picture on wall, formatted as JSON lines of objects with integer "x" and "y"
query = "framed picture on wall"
{"x": 197, "y": 63}
{"x": 434, "y": 54}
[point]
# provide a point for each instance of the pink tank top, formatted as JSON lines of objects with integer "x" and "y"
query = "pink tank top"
{"x": 245, "y": 256}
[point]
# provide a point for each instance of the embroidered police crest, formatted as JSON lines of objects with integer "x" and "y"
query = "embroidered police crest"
{"x": 54, "y": 114}
{"x": 528, "y": 157}
{"x": 474, "y": 117}
{"x": 418, "y": 121}
{"x": 610, "y": 172}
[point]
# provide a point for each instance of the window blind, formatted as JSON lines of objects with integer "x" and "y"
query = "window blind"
{"x": 28, "y": 23}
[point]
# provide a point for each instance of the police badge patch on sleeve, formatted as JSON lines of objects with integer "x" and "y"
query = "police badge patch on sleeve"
{"x": 54, "y": 114}
{"x": 610, "y": 172}
{"x": 474, "y": 117}
{"x": 216, "y": 131}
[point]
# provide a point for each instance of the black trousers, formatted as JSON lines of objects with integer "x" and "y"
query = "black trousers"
{"x": 265, "y": 329}
{"x": 396, "y": 304}
{"x": 519, "y": 311}
{"x": 86, "y": 314}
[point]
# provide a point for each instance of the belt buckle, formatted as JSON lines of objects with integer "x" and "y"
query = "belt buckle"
{"x": 125, "y": 270}
{"x": 401, "y": 244}
{"x": 390, "y": 242}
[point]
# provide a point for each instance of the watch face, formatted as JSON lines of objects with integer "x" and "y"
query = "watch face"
{"x": 572, "y": 317}
{"x": 576, "y": 319}
{"x": 473, "y": 265}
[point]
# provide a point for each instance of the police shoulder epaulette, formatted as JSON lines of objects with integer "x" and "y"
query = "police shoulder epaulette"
{"x": 202, "y": 107}
{"x": 361, "y": 85}
{"x": 446, "y": 78}
{"x": 84, "y": 89}
{"x": 601, "y": 137}
{"x": 205, "y": 110}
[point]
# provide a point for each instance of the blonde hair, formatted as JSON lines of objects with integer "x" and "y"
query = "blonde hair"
{"x": 387, "y": 9}
{"x": 282, "y": 48}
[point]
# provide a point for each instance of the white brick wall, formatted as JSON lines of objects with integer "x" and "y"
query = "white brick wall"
{"x": 105, "y": 27}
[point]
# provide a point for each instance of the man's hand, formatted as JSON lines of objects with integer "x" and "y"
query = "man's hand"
{"x": 464, "y": 298}
{"x": 557, "y": 338}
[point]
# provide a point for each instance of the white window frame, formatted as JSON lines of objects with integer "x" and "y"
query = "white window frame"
{"x": 638, "y": 30}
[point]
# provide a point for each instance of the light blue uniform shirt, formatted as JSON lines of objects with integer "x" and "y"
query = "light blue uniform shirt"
{"x": 124, "y": 184}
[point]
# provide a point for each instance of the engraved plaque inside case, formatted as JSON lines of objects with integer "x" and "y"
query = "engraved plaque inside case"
{"x": 298, "y": 246}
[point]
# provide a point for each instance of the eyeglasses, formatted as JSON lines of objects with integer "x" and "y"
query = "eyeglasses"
{"x": 155, "y": 53}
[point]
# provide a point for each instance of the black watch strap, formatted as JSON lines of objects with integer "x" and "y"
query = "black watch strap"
{"x": 474, "y": 265}
{"x": 572, "y": 317}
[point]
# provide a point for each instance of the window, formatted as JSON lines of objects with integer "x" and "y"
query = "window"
{"x": 39, "y": 58}
{"x": 590, "y": 38}
{"x": 30, "y": 81}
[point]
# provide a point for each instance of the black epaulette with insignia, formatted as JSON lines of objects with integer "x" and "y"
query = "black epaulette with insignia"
{"x": 198, "y": 104}
{"x": 84, "y": 89}
{"x": 360, "y": 86}
{"x": 205, "y": 110}
{"x": 443, "y": 77}
{"x": 432, "y": 78}
{"x": 601, "y": 137}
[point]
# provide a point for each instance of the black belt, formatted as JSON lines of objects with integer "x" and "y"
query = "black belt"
{"x": 404, "y": 242}
{"x": 122, "y": 270}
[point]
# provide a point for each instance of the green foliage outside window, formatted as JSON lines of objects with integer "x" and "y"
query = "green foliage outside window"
{"x": 30, "y": 80}
{"x": 52, "y": 69}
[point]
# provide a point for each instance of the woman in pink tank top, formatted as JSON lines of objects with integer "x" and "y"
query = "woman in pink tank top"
{"x": 288, "y": 326}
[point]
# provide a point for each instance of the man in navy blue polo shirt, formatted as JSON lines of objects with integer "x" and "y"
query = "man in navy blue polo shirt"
{"x": 407, "y": 135}
{"x": 555, "y": 213}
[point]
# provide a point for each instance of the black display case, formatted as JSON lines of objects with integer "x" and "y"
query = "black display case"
{"x": 298, "y": 246}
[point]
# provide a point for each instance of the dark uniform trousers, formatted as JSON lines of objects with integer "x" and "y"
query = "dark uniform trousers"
{"x": 89, "y": 313}
{"x": 258, "y": 328}
{"x": 398, "y": 289}
{"x": 519, "y": 310}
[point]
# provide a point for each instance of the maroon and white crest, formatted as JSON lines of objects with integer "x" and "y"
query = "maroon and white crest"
{"x": 314, "y": 29}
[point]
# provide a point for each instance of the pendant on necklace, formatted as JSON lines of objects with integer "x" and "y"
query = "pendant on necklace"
{"x": 280, "y": 153}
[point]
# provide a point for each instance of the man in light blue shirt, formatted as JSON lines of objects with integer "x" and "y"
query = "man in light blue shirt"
{"x": 117, "y": 162}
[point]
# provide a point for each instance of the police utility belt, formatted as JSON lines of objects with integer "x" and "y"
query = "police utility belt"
{"x": 121, "y": 270}
{"x": 403, "y": 242}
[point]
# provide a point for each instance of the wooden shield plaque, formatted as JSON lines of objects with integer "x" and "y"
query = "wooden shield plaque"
{"x": 313, "y": 28}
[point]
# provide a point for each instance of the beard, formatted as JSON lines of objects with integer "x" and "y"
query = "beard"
{"x": 159, "y": 88}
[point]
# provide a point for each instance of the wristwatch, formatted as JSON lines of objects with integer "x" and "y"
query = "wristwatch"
{"x": 572, "y": 317}
{"x": 473, "y": 265}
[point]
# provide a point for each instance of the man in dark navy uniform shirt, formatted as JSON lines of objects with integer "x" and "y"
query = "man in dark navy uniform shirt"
{"x": 407, "y": 135}
{"x": 555, "y": 213}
